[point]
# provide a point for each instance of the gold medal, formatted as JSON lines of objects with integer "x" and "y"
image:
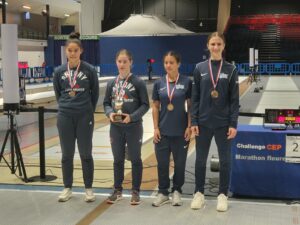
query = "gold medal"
{"x": 170, "y": 107}
{"x": 214, "y": 94}
{"x": 72, "y": 93}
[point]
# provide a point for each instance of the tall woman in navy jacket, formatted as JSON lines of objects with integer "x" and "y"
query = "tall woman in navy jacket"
{"x": 215, "y": 105}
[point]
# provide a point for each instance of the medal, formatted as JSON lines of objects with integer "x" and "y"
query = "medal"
{"x": 72, "y": 93}
{"x": 72, "y": 83}
{"x": 214, "y": 93}
{"x": 170, "y": 107}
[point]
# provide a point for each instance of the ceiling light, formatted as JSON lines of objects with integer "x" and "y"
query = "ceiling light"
{"x": 5, "y": 3}
{"x": 67, "y": 15}
{"x": 26, "y": 7}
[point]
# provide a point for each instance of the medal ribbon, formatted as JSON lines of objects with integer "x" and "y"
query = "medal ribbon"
{"x": 170, "y": 95}
{"x": 211, "y": 73}
{"x": 72, "y": 82}
{"x": 118, "y": 94}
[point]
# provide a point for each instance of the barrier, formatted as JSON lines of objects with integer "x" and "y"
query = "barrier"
{"x": 244, "y": 69}
{"x": 277, "y": 68}
{"x": 295, "y": 68}
{"x": 271, "y": 68}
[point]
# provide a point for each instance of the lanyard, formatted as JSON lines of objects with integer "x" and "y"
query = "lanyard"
{"x": 170, "y": 95}
{"x": 211, "y": 73}
{"x": 72, "y": 82}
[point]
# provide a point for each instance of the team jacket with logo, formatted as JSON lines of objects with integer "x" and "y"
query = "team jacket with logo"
{"x": 172, "y": 123}
{"x": 86, "y": 88}
{"x": 134, "y": 95}
{"x": 219, "y": 112}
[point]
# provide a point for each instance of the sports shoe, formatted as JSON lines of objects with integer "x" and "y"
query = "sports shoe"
{"x": 115, "y": 196}
{"x": 160, "y": 200}
{"x": 65, "y": 195}
{"x": 176, "y": 199}
{"x": 222, "y": 205}
{"x": 198, "y": 201}
{"x": 135, "y": 198}
{"x": 89, "y": 195}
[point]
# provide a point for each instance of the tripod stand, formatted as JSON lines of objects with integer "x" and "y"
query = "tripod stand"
{"x": 14, "y": 148}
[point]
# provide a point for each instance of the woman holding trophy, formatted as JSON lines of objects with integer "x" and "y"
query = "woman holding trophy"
{"x": 125, "y": 102}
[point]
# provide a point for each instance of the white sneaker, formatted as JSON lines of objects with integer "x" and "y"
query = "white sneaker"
{"x": 222, "y": 205}
{"x": 65, "y": 195}
{"x": 89, "y": 195}
{"x": 160, "y": 200}
{"x": 198, "y": 201}
{"x": 176, "y": 199}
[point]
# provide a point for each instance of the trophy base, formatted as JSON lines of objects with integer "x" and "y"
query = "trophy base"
{"x": 119, "y": 117}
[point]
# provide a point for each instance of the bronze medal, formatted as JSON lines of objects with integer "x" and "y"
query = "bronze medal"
{"x": 170, "y": 107}
{"x": 214, "y": 94}
{"x": 72, "y": 93}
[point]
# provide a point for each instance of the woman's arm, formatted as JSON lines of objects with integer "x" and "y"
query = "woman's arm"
{"x": 144, "y": 102}
{"x": 155, "y": 116}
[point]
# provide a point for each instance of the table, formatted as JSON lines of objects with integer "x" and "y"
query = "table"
{"x": 260, "y": 163}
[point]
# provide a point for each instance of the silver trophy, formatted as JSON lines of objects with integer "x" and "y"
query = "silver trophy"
{"x": 118, "y": 117}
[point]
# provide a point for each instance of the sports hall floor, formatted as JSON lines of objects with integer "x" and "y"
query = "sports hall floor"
{"x": 36, "y": 202}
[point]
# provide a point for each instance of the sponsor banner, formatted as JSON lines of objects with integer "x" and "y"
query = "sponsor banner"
{"x": 82, "y": 37}
{"x": 259, "y": 164}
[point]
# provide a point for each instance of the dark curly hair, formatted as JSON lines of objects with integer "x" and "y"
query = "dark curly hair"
{"x": 74, "y": 38}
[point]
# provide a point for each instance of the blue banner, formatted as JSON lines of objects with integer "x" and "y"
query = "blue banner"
{"x": 258, "y": 164}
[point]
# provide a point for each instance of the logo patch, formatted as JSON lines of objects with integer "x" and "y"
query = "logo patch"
{"x": 223, "y": 76}
{"x": 179, "y": 86}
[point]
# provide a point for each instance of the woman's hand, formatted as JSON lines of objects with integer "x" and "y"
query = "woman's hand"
{"x": 156, "y": 136}
{"x": 187, "y": 134}
{"x": 195, "y": 130}
{"x": 127, "y": 118}
{"x": 111, "y": 117}
{"x": 231, "y": 133}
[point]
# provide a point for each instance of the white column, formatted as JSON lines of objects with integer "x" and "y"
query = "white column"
{"x": 9, "y": 46}
{"x": 223, "y": 14}
{"x": 91, "y": 16}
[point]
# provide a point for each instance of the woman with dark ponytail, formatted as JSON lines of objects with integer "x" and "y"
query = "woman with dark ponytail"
{"x": 76, "y": 88}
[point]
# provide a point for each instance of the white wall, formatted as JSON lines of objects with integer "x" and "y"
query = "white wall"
{"x": 92, "y": 13}
{"x": 34, "y": 58}
{"x": 71, "y": 20}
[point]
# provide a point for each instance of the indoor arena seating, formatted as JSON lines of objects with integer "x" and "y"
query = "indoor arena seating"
{"x": 276, "y": 36}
